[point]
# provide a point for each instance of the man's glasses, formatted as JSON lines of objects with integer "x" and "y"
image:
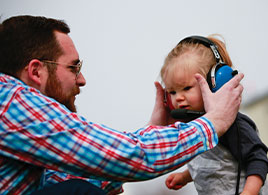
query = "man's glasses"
{"x": 76, "y": 68}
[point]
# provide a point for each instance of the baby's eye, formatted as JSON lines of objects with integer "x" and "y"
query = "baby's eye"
{"x": 187, "y": 88}
{"x": 172, "y": 92}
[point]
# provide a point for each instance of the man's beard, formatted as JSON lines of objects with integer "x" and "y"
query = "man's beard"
{"x": 54, "y": 90}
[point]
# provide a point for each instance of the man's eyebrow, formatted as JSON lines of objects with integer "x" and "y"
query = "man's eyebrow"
{"x": 75, "y": 62}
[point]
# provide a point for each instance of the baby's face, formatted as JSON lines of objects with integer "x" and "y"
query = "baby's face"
{"x": 182, "y": 86}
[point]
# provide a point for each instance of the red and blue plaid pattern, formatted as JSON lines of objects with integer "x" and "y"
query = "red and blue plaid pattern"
{"x": 38, "y": 133}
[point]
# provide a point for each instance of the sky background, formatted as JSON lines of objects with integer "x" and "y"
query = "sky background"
{"x": 123, "y": 44}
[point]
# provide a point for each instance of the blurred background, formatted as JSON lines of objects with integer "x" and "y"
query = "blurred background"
{"x": 123, "y": 44}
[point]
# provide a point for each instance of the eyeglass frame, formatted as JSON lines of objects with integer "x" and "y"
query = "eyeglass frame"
{"x": 78, "y": 65}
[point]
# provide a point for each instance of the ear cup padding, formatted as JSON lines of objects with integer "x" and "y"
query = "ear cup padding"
{"x": 223, "y": 73}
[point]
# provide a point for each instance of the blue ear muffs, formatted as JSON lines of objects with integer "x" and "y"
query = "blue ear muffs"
{"x": 219, "y": 75}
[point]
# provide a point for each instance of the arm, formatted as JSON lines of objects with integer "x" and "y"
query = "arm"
{"x": 176, "y": 181}
{"x": 39, "y": 131}
{"x": 253, "y": 185}
{"x": 253, "y": 151}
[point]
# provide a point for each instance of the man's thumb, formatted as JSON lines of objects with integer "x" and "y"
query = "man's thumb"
{"x": 203, "y": 84}
{"x": 159, "y": 91}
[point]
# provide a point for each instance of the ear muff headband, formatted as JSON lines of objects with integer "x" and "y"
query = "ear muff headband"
{"x": 207, "y": 43}
{"x": 214, "y": 73}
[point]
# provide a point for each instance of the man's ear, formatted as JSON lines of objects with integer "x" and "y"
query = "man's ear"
{"x": 35, "y": 71}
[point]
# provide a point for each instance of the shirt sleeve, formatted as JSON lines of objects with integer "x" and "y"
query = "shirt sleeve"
{"x": 253, "y": 151}
{"x": 38, "y": 130}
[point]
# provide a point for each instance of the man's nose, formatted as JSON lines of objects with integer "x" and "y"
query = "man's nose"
{"x": 81, "y": 81}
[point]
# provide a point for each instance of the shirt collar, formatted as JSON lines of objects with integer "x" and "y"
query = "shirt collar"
{"x": 10, "y": 79}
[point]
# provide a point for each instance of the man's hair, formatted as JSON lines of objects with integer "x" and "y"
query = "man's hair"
{"x": 23, "y": 38}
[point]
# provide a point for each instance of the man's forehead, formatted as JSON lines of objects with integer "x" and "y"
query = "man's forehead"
{"x": 67, "y": 46}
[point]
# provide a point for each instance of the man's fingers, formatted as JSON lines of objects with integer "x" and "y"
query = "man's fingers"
{"x": 159, "y": 91}
{"x": 236, "y": 80}
{"x": 235, "y": 86}
{"x": 233, "y": 83}
{"x": 202, "y": 83}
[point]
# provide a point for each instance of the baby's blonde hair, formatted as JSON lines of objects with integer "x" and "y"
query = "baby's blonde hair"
{"x": 207, "y": 59}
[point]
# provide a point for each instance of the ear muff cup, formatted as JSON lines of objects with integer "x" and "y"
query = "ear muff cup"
{"x": 223, "y": 73}
{"x": 220, "y": 73}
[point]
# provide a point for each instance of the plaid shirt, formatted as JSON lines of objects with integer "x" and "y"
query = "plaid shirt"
{"x": 38, "y": 133}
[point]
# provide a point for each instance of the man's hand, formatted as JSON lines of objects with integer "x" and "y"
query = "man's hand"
{"x": 222, "y": 107}
{"x": 161, "y": 113}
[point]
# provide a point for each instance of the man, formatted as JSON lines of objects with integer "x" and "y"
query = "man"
{"x": 40, "y": 129}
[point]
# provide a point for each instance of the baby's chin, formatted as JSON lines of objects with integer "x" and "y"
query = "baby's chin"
{"x": 188, "y": 119}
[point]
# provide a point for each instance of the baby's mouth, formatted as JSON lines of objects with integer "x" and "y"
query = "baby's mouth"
{"x": 184, "y": 107}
